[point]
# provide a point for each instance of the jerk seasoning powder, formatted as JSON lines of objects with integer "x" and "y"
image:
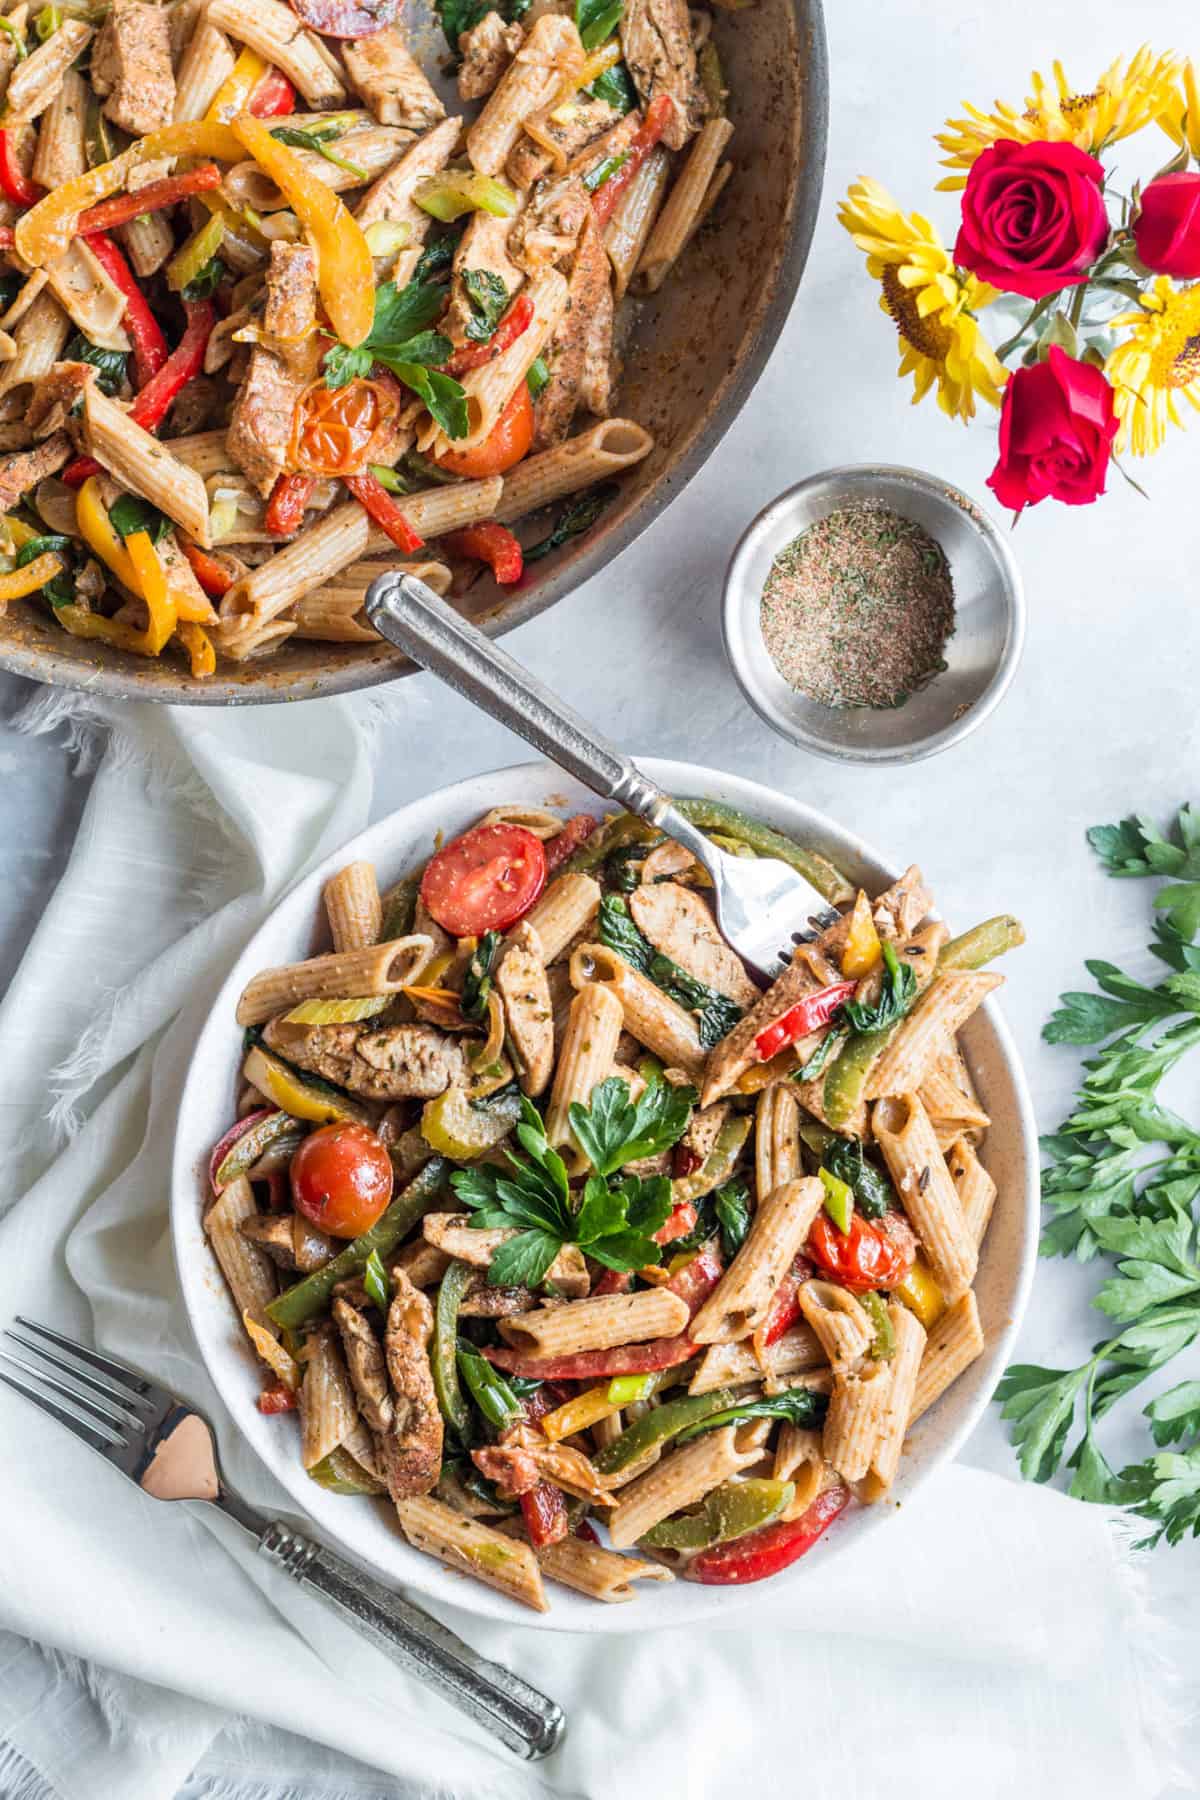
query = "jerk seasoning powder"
{"x": 856, "y": 610}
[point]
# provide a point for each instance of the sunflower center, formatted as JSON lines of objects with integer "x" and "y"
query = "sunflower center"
{"x": 926, "y": 335}
{"x": 1175, "y": 362}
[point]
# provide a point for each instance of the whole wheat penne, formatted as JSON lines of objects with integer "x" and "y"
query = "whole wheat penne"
{"x": 334, "y": 613}
{"x": 596, "y": 454}
{"x": 799, "y": 1459}
{"x": 353, "y": 907}
{"x": 89, "y": 297}
{"x": 927, "y": 1194}
{"x": 975, "y": 1188}
{"x": 677, "y": 1481}
{"x": 60, "y": 155}
{"x": 626, "y": 233}
{"x": 588, "y": 1046}
{"x": 951, "y": 1113}
{"x": 905, "y": 1366}
{"x": 248, "y": 1270}
{"x": 953, "y": 1344}
{"x": 328, "y": 1409}
{"x": 370, "y": 148}
{"x": 315, "y": 556}
{"x": 278, "y": 35}
{"x": 567, "y": 907}
{"x": 434, "y": 511}
{"x": 254, "y": 640}
{"x": 592, "y": 1570}
{"x": 473, "y": 1548}
{"x": 148, "y": 242}
{"x": 39, "y": 337}
{"x": 454, "y": 1234}
{"x": 838, "y": 1320}
{"x": 207, "y": 61}
{"x": 729, "y": 1365}
{"x": 742, "y": 1298}
{"x": 203, "y": 451}
{"x": 598, "y": 1323}
{"x": 551, "y": 50}
{"x": 678, "y": 218}
{"x": 857, "y": 1411}
{"x": 953, "y": 1063}
{"x": 653, "y": 1018}
{"x": 35, "y": 82}
{"x": 29, "y": 290}
{"x": 776, "y": 1139}
{"x": 141, "y": 463}
{"x": 940, "y": 1013}
{"x": 539, "y": 821}
{"x": 343, "y": 975}
{"x": 390, "y": 198}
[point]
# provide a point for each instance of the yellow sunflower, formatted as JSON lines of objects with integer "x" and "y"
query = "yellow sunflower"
{"x": 930, "y": 301}
{"x": 1181, "y": 117}
{"x": 1124, "y": 99}
{"x": 1157, "y": 365}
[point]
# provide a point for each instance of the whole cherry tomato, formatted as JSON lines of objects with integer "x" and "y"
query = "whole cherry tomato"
{"x": 872, "y": 1254}
{"x": 506, "y": 443}
{"x": 484, "y": 880}
{"x": 342, "y": 1178}
{"x": 333, "y": 427}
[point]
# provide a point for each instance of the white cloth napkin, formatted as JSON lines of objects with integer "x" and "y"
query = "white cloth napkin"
{"x": 992, "y": 1637}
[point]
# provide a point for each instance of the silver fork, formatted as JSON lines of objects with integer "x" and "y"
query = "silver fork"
{"x": 168, "y": 1450}
{"x": 762, "y": 905}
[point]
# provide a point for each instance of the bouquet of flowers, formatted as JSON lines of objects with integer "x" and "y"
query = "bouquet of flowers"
{"x": 1106, "y": 343}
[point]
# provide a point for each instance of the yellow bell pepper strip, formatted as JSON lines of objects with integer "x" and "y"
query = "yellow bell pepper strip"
{"x": 94, "y": 524}
{"x": 300, "y": 1095}
{"x": 84, "y": 624}
{"x": 33, "y": 576}
{"x": 577, "y": 1414}
{"x": 133, "y": 570}
{"x": 345, "y": 270}
{"x": 20, "y": 533}
{"x": 590, "y": 70}
{"x": 197, "y": 253}
{"x": 862, "y": 951}
{"x": 233, "y": 95}
{"x": 44, "y": 233}
{"x": 921, "y": 1293}
{"x": 151, "y": 584}
{"x": 198, "y": 645}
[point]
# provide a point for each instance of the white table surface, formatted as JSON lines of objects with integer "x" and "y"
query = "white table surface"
{"x": 1100, "y": 721}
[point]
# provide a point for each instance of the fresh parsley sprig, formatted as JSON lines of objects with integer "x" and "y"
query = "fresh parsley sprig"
{"x": 400, "y": 339}
{"x": 1122, "y": 1181}
{"x": 613, "y": 1220}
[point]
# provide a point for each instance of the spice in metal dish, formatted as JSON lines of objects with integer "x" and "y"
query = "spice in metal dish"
{"x": 857, "y": 609}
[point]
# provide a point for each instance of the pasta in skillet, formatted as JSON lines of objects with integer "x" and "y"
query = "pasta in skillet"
{"x": 268, "y": 313}
{"x": 544, "y": 1218}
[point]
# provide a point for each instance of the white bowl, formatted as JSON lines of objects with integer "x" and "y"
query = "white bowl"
{"x": 366, "y": 1529}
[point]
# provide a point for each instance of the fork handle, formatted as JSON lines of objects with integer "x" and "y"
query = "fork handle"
{"x": 521, "y": 1717}
{"x": 418, "y": 621}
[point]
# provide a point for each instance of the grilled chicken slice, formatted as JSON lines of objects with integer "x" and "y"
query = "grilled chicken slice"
{"x": 656, "y": 41}
{"x": 391, "y": 81}
{"x": 589, "y": 307}
{"x": 677, "y": 922}
{"x": 547, "y": 229}
{"x": 486, "y": 51}
{"x": 398, "y": 1063}
{"x": 528, "y": 1013}
{"x": 131, "y": 64}
{"x": 525, "y": 1456}
{"x": 291, "y": 308}
{"x": 528, "y": 160}
{"x": 367, "y": 1365}
{"x": 411, "y": 1448}
{"x": 483, "y": 250}
{"x": 28, "y": 467}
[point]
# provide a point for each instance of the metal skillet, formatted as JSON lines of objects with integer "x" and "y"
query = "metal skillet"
{"x": 698, "y": 348}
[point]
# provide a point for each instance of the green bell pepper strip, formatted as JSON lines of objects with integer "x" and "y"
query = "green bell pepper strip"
{"x": 444, "y": 1349}
{"x": 624, "y": 1390}
{"x": 614, "y": 834}
{"x": 884, "y": 1345}
{"x": 656, "y": 1427}
{"x": 310, "y": 1296}
{"x": 839, "y": 1198}
{"x": 728, "y": 1512}
{"x": 714, "y": 815}
{"x": 341, "y": 1473}
{"x": 983, "y": 943}
{"x": 489, "y": 1390}
{"x": 718, "y": 1165}
{"x": 399, "y": 907}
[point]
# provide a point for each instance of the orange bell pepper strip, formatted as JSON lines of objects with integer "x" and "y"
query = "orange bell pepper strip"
{"x": 345, "y": 269}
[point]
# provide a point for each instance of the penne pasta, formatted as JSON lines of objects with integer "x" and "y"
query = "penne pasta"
{"x": 856, "y": 1417}
{"x": 741, "y": 1299}
{"x": 776, "y": 1139}
{"x": 585, "y": 1057}
{"x": 249, "y": 1272}
{"x": 941, "y": 1012}
{"x": 328, "y": 1409}
{"x": 551, "y": 50}
{"x": 655, "y": 1020}
{"x": 353, "y": 907}
{"x": 678, "y": 1481}
{"x": 838, "y": 1321}
{"x": 974, "y": 1186}
{"x": 596, "y": 454}
{"x": 567, "y": 907}
{"x": 275, "y": 31}
{"x": 592, "y": 1570}
{"x": 205, "y": 66}
{"x": 138, "y": 461}
{"x": 375, "y": 969}
{"x": 597, "y": 1323}
{"x": 905, "y": 1367}
{"x": 473, "y": 1549}
{"x": 684, "y": 204}
{"x": 729, "y": 1365}
{"x": 626, "y": 233}
{"x": 953, "y": 1344}
{"x": 927, "y": 1194}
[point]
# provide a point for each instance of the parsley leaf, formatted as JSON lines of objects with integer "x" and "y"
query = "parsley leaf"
{"x": 1136, "y": 847}
{"x": 488, "y": 298}
{"x": 1165, "y": 1489}
{"x": 398, "y": 331}
{"x": 445, "y": 397}
{"x": 715, "y": 1014}
{"x": 799, "y": 1406}
{"x": 896, "y": 995}
{"x": 109, "y": 364}
{"x": 615, "y": 1130}
{"x": 130, "y": 514}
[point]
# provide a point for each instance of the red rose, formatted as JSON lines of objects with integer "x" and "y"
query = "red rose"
{"x": 1056, "y": 426}
{"x": 1033, "y": 217}
{"x": 1166, "y": 229}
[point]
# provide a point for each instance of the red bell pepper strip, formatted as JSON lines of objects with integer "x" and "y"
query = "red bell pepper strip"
{"x": 774, "y": 1547}
{"x": 697, "y": 1278}
{"x": 152, "y": 198}
{"x": 573, "y": 833}
{"x": 658, "y": 117}
{"x": 278, "y": 1399}
{"x": 512, "y": 325}
{"x": 807, "y": 1016}
{"x": 681, "y": 1221}
{"x": 375, "y": 500}
{"x": 614, "y": 1281}
{"x": 594, "y": 1365}
{"x": 273, "y": 97}
{"x": 544, "y": 1510}
{"x": 15, "y": 182}
{"x": 212, "y": 576}
{"x": 492, "y": 544}
{"x": 149, "y": 344}
{"x": 870, "y": 1255}
{"x": 785, "y": 1304}
{"x": 236, "y": 1131}
{"x": 151, "y": 405}
{"x": 289, "y": 498}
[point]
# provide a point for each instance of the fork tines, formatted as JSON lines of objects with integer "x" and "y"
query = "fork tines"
{"x": 98, "y": 1399}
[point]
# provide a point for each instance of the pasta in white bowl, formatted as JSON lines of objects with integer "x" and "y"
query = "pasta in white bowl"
{"x": 844, "y": 1400}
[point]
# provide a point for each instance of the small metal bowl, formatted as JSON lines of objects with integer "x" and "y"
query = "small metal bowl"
{"x": 981, "y": 656}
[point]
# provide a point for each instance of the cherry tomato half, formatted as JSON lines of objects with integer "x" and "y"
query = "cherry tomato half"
{"x": 484, "y": 880}
{"x": 333, "y": 427}
{"x": 342, "y": 1178}
{"x": 506, "y": 443}
{"x": 870, "y": 1255}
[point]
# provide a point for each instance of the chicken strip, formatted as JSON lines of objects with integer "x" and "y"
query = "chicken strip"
{"x": 656, "y": 42}
{"x": 677, "y": 922}
{"x": 411, "y": 1449}
{"x": 398, "y": 1063}
{"x": 367, "y": 1365}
